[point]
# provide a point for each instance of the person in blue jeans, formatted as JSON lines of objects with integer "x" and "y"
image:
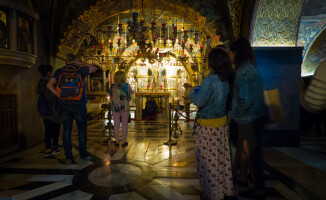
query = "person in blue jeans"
{"x": 74, "y": 109}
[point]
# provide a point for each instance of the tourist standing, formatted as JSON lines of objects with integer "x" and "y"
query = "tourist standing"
{"x": 52, "y": 121}
{"x": 212, "y": 132}
{"x": 120, "y": 94}
{"x": 73, "y": 103}
{"x": 248, "y": 112}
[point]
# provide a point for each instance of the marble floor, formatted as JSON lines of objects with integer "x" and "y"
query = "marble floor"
{"x": 148, "y": 169}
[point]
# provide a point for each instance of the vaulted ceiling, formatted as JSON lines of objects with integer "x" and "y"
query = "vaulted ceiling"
{"x": 60, "y": 18}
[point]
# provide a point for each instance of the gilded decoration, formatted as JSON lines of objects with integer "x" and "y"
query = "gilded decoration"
{"x": 78, "y": 28}
{"x": 235, "y": 14}
{"x": 93, "y": 16}
{"x": 105, "y": 9}
{"x": 102, "y": 34}
{"x": 276, "y": 22}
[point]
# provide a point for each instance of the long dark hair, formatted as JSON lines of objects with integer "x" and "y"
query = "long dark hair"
{"x": 43, "y": 69}
{"x": 220, "y": 63}
{"x": 243, "y": 52}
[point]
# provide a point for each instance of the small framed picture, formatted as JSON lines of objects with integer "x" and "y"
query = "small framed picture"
{"x": 4, "y": 28}
{"x": 25, "y": 34}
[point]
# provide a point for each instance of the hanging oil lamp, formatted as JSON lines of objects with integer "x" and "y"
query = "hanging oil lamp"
{"x": 185, "y": 35}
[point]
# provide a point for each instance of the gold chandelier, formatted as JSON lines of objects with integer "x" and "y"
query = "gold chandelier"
{"x": 147, "y": 41}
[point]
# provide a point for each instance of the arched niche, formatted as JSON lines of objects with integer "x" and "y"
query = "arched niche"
{"x": 316, "y": 52}
{"x": 211, "y": 18}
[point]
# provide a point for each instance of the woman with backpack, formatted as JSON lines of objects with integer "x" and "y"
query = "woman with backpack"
{"x": 52, "y": 117}
{"x": 120, "y": 94}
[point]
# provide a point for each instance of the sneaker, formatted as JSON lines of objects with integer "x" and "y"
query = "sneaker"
{"x": 56, "y": 150}
{"x": 84, "y": 159}
{"x": 251, "y": 194}
{"x": 68, "y": 161}
{"x": 48, "y": 152}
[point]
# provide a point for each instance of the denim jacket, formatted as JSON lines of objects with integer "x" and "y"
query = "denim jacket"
{"x": 248, "y": 95}
{"x": 211, "y": 98}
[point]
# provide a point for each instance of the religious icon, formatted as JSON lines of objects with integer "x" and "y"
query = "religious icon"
{"x": 24, "y": 35}
{"x": 180, "y": 88}
{"x": 133, "y": 84}
{"x": 3, "y": 30}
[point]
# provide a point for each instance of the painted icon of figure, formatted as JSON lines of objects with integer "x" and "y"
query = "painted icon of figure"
{"x": 133, "y": 84}
{"x": 155, "y": 75}
{"x": 180, "y": 89}
{"x": 24, "y": 37}
{"x": 3, "y": 33}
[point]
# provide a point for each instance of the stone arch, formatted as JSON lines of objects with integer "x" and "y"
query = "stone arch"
{"x": 212, "y": 17}
{"x": 316, "y": 52}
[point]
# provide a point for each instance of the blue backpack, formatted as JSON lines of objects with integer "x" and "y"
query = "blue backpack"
{"x": 70, "y": 85}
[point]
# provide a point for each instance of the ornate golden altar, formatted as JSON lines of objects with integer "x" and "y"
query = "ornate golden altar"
{"x": 163, "y": 99}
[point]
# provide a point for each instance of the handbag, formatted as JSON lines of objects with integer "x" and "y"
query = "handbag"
{"x": 43, "y": 106}
{"x": 274, "y": 105}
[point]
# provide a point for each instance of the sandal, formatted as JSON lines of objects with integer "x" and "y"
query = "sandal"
{"x": 116, "y": 144}
{"x": 125, "y": 144}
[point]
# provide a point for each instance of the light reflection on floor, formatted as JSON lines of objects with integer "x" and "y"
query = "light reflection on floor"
{"x": 148, "y": 169}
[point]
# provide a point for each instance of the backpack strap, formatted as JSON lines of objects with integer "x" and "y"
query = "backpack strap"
{"x": 72, "y": 67}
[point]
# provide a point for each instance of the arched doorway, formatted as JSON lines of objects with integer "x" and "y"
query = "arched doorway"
{"x": 172, "y": 51}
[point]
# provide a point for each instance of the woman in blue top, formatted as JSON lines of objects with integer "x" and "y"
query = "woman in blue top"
{"x": 248, "y": 111}
{"x": 212, "y": 131}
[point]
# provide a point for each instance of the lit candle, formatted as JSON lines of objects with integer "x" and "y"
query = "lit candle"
{"x": 147, "y": 87}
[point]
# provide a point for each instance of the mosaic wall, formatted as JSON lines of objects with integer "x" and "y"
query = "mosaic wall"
{"x": 310, "y": 27}
{"x": 276, "y": 22}
{"x": 317, "y": 53}
{"x": 311, "y": 35}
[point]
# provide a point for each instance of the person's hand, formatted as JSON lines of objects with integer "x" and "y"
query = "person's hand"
{"x": 187, "y": 85}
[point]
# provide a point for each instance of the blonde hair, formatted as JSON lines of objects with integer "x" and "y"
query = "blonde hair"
{"x": 119, "y": 77}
